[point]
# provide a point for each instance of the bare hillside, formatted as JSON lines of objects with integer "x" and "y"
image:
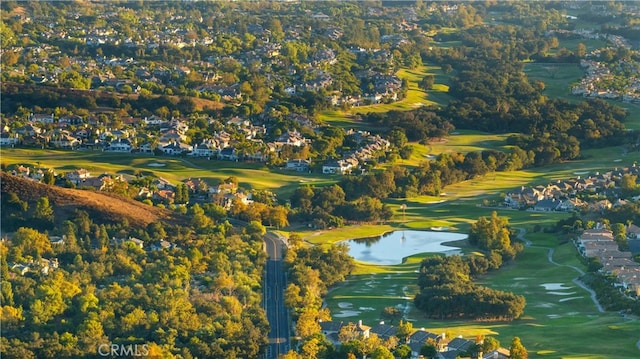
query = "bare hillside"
{"x": 102, "y": 207}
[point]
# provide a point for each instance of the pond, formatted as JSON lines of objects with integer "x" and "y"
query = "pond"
{"x": 392, "y": 247}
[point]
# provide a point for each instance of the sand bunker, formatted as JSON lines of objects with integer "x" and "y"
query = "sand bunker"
{"x": 344, "y": 305}
{"x": 347, "y": 314}
{"x": 156, "y": 164}
{"x": 367, "y": 308}
{"x": 554, "y": 286}
{"x": 562, "y": 293}
{"x": 567, "y": 299}
{"x": 545, "y": 305}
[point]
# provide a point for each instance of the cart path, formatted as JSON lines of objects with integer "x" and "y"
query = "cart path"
{"x": 576, "y": 280}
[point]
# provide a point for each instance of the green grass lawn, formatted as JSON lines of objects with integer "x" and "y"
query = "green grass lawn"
{"x": 557, "y": 78}
{"x": 175, "y": 169}
{"x": 558, "y": 316}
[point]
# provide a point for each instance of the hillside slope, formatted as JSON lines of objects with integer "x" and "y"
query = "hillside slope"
{"x": 103, "y": 207}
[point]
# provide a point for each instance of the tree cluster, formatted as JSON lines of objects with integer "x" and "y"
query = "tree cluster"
{"x": 327, "y": 207}
{"x": 447, "y": 292}
{"x": 494, "y": 236}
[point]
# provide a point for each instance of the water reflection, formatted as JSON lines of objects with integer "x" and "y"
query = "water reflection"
{"x": 392, "y": 247}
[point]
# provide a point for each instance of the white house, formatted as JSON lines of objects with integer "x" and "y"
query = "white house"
{"x": 78, "y": 176}
{"x": 119, "y": 145}
{"x": 298, "y": 165}
{"x": 176, "y": 148}
{"x": 204, "y": 150}
{"x": 7, "y": 139}
{"x": 340, "y": 166}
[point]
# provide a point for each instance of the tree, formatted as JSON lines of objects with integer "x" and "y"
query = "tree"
{"x": 489, "y": 344}
{"x": 31, "y": 242}
{"x": 405, "y": 329}
{"x": 429, "y": 350}
{"x": 427, "y": 82}
{"x": 628, "y": 184}
{"x": 403, "y": 351}
{"x": 581, "y": 50}
{"x": 391, "y": 313}
{"x": 307, "y": 324}
{"x": 381, "y": 353}
{"x": 44, "y": 211}
{"x": 518, "y": 351}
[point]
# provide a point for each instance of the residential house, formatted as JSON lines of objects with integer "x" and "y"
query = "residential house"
{"x": 164, "y": 195}
{"x": 633, "y": 231}
{"x": 22, "y": 171}
{"x": 119, "y": 145}
{"x": 41, "y": 117}
{"x": 57, "y": 240}
{"x": 500, "y": 353}
{"x": 547, "y": 205}
{"x": 600, "y": 206}
{"x": 146, "y": 147}
{"x": 172, "y": 136}
{"x": 71, "y": 120}
{"x": 162, "y": 245}
{"x": 298, "y": 165}
{"x": 340, "y": 166}
{"x": 572, "y": 204}
{"x": 196, "y": 185}
{"x": 62, "y": 139}
{"x": 419, "y": 338}
{"x": 292, "y": 138}
{"x": 28, "y": 130}
{"x": 634, "y": 246}
{"x": 20, "y": 268}
{"x": 205, "y": 149}
{"x": 384, "y": 331}
{"x": 239, "y": 122}
{"x": 8, "y": 139}
{"x": 228, "y": 154}
{"x": 222, "y": 138}
{"x": 77, "y": 176}
{"x": 144, "y": 193}
{"x": 176, "y": 148}
{"x": 363, "y": 331}
{"x": 162, "y": 183}
{"x": 331, "y": 330}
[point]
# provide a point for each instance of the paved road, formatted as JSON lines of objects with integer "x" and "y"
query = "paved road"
{"x": 274, "y": 298}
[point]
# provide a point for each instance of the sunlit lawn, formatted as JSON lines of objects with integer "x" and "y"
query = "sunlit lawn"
{"x": 555, "y": 322}
{"x": 558, "y": 79}
{"x": 174, "y": 169}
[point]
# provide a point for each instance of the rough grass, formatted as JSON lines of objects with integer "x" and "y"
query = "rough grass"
{"x": 109, "y": 208}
